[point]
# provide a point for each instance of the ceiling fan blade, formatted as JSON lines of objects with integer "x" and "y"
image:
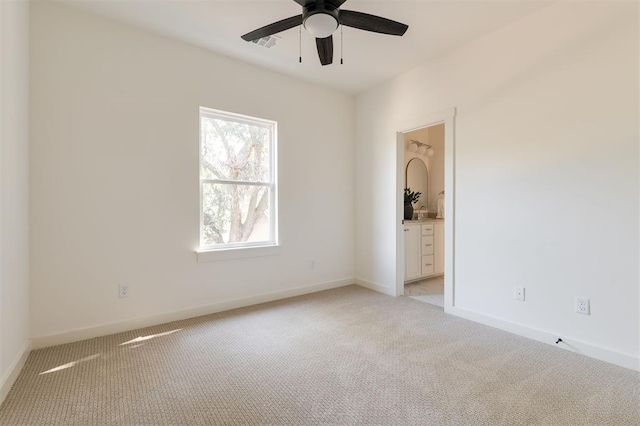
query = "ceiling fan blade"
{"x": 373, "y": 23}
{"x": 325, "y": 50}
{"x": 303, "y": 3}
{"x": 274, "y": 28}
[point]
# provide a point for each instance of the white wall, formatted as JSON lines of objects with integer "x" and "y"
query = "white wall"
{"x": 14, "y": 195}
{"x": 546, "y": 174}
{"x": 114, "y": 174}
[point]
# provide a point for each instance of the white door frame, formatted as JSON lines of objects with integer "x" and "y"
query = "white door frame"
{"x": 448, "y": 118}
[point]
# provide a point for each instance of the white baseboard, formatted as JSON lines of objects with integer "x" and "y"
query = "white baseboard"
{"x": 14, "y": 370}
{"x": 376, "y": 287}
{"x": 135, "y": 323}
{"x": 587, "y": 349}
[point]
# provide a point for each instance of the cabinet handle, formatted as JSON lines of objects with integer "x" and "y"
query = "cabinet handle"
{"x": 428, "y": 245}
{"x": 428, "y": 264}
{"x": 406, "y": 230}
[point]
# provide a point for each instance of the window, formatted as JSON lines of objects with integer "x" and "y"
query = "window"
{"x": 237, "y": 181}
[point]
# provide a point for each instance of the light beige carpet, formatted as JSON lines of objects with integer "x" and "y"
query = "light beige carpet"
{"x": 341, "y": 357}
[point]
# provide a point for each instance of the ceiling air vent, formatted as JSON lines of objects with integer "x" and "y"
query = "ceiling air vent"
{"x": 268, "y": 41}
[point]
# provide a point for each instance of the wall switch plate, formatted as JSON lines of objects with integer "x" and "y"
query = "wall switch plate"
{"x": 582, "y": 306}
{"x": 312, "y": 264}
{"x": 124, "y": 291}
{"x": 518, "y": 293}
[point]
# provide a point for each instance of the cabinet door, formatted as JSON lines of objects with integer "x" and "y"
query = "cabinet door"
{"x": 438, "y": 248}
{"x": 411, "y": 252}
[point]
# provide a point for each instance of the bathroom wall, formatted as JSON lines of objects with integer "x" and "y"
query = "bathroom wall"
{"x": 436, "y": 165}
{"x": 433, "y": 136}
{"x": 420, "y": 135}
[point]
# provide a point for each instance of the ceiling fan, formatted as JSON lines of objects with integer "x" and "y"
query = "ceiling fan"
{"x": 321, "y": 18}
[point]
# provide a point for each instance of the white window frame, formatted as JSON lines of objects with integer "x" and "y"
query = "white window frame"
{"x": 233, "y": 250}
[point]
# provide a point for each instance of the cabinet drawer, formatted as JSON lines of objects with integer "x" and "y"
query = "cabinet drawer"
{"x": 427, "y": 265}
{"x": 427, "y": 244}
{"x": 427, "y": 229}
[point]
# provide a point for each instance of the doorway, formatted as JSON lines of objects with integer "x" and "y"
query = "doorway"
{"x": 425, "y": 232}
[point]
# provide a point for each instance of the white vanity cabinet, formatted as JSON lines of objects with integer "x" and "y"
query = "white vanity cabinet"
{"x": 426, "y": 250}
{"x": 438, "y": 243}
{"x": 411, "y": 253}
{"x": 423, "y": 249}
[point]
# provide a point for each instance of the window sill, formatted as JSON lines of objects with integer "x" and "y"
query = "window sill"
{"x": 216, "y": 255}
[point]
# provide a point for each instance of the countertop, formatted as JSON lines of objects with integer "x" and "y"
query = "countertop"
{"x": 411, "y": 222}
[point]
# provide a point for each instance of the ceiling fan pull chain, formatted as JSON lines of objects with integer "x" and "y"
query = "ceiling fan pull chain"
{"x": 341, "y": 45}
{"x": 300, "y": 43}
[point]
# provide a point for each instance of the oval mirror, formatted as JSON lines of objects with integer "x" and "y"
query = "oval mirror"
{"x": 417, "y": 179}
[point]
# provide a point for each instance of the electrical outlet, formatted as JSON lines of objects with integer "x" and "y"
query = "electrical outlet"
{"x": 312, "y": 264}
{"x": 124, "y": 291}
{"x": 582, "y": 306}
{"x": 518, "y": 293}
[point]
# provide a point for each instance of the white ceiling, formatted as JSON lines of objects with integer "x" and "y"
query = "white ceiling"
{"x": 435, "y": 27}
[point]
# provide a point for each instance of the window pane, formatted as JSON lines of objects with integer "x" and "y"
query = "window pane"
{"x": 235, "y": 213}
{"x": 233, "y": 150}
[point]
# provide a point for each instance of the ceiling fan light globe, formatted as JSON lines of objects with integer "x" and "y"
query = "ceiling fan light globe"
{"x": 321, "y": 25}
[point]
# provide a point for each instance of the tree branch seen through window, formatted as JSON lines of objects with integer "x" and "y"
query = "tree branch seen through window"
{"x": 237, "y": 180}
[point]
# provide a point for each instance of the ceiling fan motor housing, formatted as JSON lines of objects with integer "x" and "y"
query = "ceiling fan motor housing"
{"x": 320, "y": 19}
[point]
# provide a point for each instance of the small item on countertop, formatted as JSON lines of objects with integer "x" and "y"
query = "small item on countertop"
{"x": 440, "y": 214}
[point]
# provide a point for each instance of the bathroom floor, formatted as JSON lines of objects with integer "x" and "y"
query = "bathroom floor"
{"x": 430, "y": 290}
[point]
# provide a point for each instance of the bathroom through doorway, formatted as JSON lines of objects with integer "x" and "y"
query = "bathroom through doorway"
{"x": 424, "y": 215}
{"x": 425, "y": 211}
